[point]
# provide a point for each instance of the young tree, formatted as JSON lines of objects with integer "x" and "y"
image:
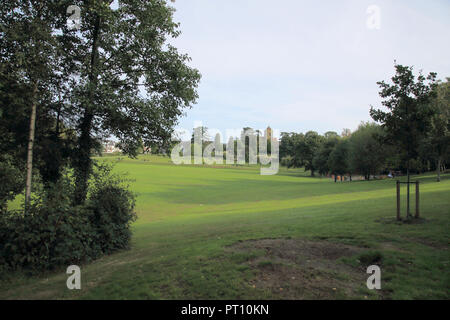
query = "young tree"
{"x": 409, "y": 114}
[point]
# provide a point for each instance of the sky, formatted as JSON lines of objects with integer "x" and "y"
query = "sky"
{"x": 299, "y": 65}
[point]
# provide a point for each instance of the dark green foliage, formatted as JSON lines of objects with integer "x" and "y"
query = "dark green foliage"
{"x": 307, "y": 148}
{"x": 320, "y": 160}
{"x": 12, "y": 181}
{"x": 367, "y": 153}
{"x": 55, "y": 233}
{"x": 111, "y": 210}
{"x": 338, "y": 161}
{"x": 51, "y": 233}
{"x": 409, "y": 115}
{"x": 298, "y": 149}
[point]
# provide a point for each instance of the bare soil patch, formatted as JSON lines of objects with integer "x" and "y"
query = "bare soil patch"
{"x": 303, "y": 269}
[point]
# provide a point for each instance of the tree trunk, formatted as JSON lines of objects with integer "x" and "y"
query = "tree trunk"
{"x": 30, "y": 147}
{"x": 83, "y": 163}
{"x": 83, "y": 166}
{"x": 408, "y": 214}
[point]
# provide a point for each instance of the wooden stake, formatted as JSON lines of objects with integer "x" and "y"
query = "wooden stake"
{"x": 398, "y": 200}
{"x": 417, "y": 200}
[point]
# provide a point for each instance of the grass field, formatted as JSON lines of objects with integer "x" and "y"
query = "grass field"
{"x": 230, "y": 233}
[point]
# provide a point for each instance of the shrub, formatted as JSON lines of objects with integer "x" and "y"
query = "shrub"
{"x": 49, "y": 234}
{"x": 53, "y": 232}
{"x": 12, "y": 181}
{"x": 112, "y": 210}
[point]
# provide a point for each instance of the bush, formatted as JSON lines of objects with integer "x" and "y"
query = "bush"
{"x": 54, "y": 233}
{"x": 112, "y": 210}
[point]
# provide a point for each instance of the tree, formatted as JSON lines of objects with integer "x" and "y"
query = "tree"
{"x": 307, "y": 148}
{"x": 28, "y": 75}
{"x": 437, "y": 143}
{"x": 409, "y": 113}
{"x": 130, "y": 82}
{"x": 338, "y": 161}
{"x": 320, "y": 160}
{"x": 289, "y": 143}
{"x": 367, "y": 152}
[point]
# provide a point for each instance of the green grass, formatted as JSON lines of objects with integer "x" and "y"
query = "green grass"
{"x": 188, "y": 215}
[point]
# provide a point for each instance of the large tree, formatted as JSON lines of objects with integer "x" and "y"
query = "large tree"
{"x": 408, "y": 116}
{"x": 320, "y": 160}
{"x": 131, "y": 83}
{"x": 117, "y": 75}
{"x": 338, "y": 161}
{"x": 307, "y": 148}
{"x": 289, "y": 155}
{"x": 367, "y": 151}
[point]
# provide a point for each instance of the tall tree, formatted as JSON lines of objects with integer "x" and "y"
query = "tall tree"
{"x": 27, "y": 54}
{"x": 289, "y": 145}
{"x": 131, "y": 83}
{"x": 367, "y": 152}
{"x": 409, "y": 114}
{"x": 338, "y": 160}
{"x": 307, "y": 148}
{"x": 320, "y": 160}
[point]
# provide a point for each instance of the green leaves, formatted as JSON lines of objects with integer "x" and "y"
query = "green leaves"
{"x": 54, "y": 233}
{"x": 409, "y": 114}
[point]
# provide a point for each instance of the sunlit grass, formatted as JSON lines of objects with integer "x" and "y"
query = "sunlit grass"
{"x": 188, "y": 214}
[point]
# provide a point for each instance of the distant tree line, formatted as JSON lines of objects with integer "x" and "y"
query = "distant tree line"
{"x": 414, "y": 135}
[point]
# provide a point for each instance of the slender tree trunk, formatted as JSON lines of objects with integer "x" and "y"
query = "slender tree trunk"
{"x": 30, "y": 147}
{"x": 439, "y": 170}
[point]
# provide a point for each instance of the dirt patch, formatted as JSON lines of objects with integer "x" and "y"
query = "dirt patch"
{"x": 301, "y": 269}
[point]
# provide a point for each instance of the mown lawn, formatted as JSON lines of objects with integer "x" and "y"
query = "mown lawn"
{"x": 191, "y": 220}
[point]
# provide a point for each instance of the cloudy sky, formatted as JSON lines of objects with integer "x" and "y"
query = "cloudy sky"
{"x": 304, "y": 65}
